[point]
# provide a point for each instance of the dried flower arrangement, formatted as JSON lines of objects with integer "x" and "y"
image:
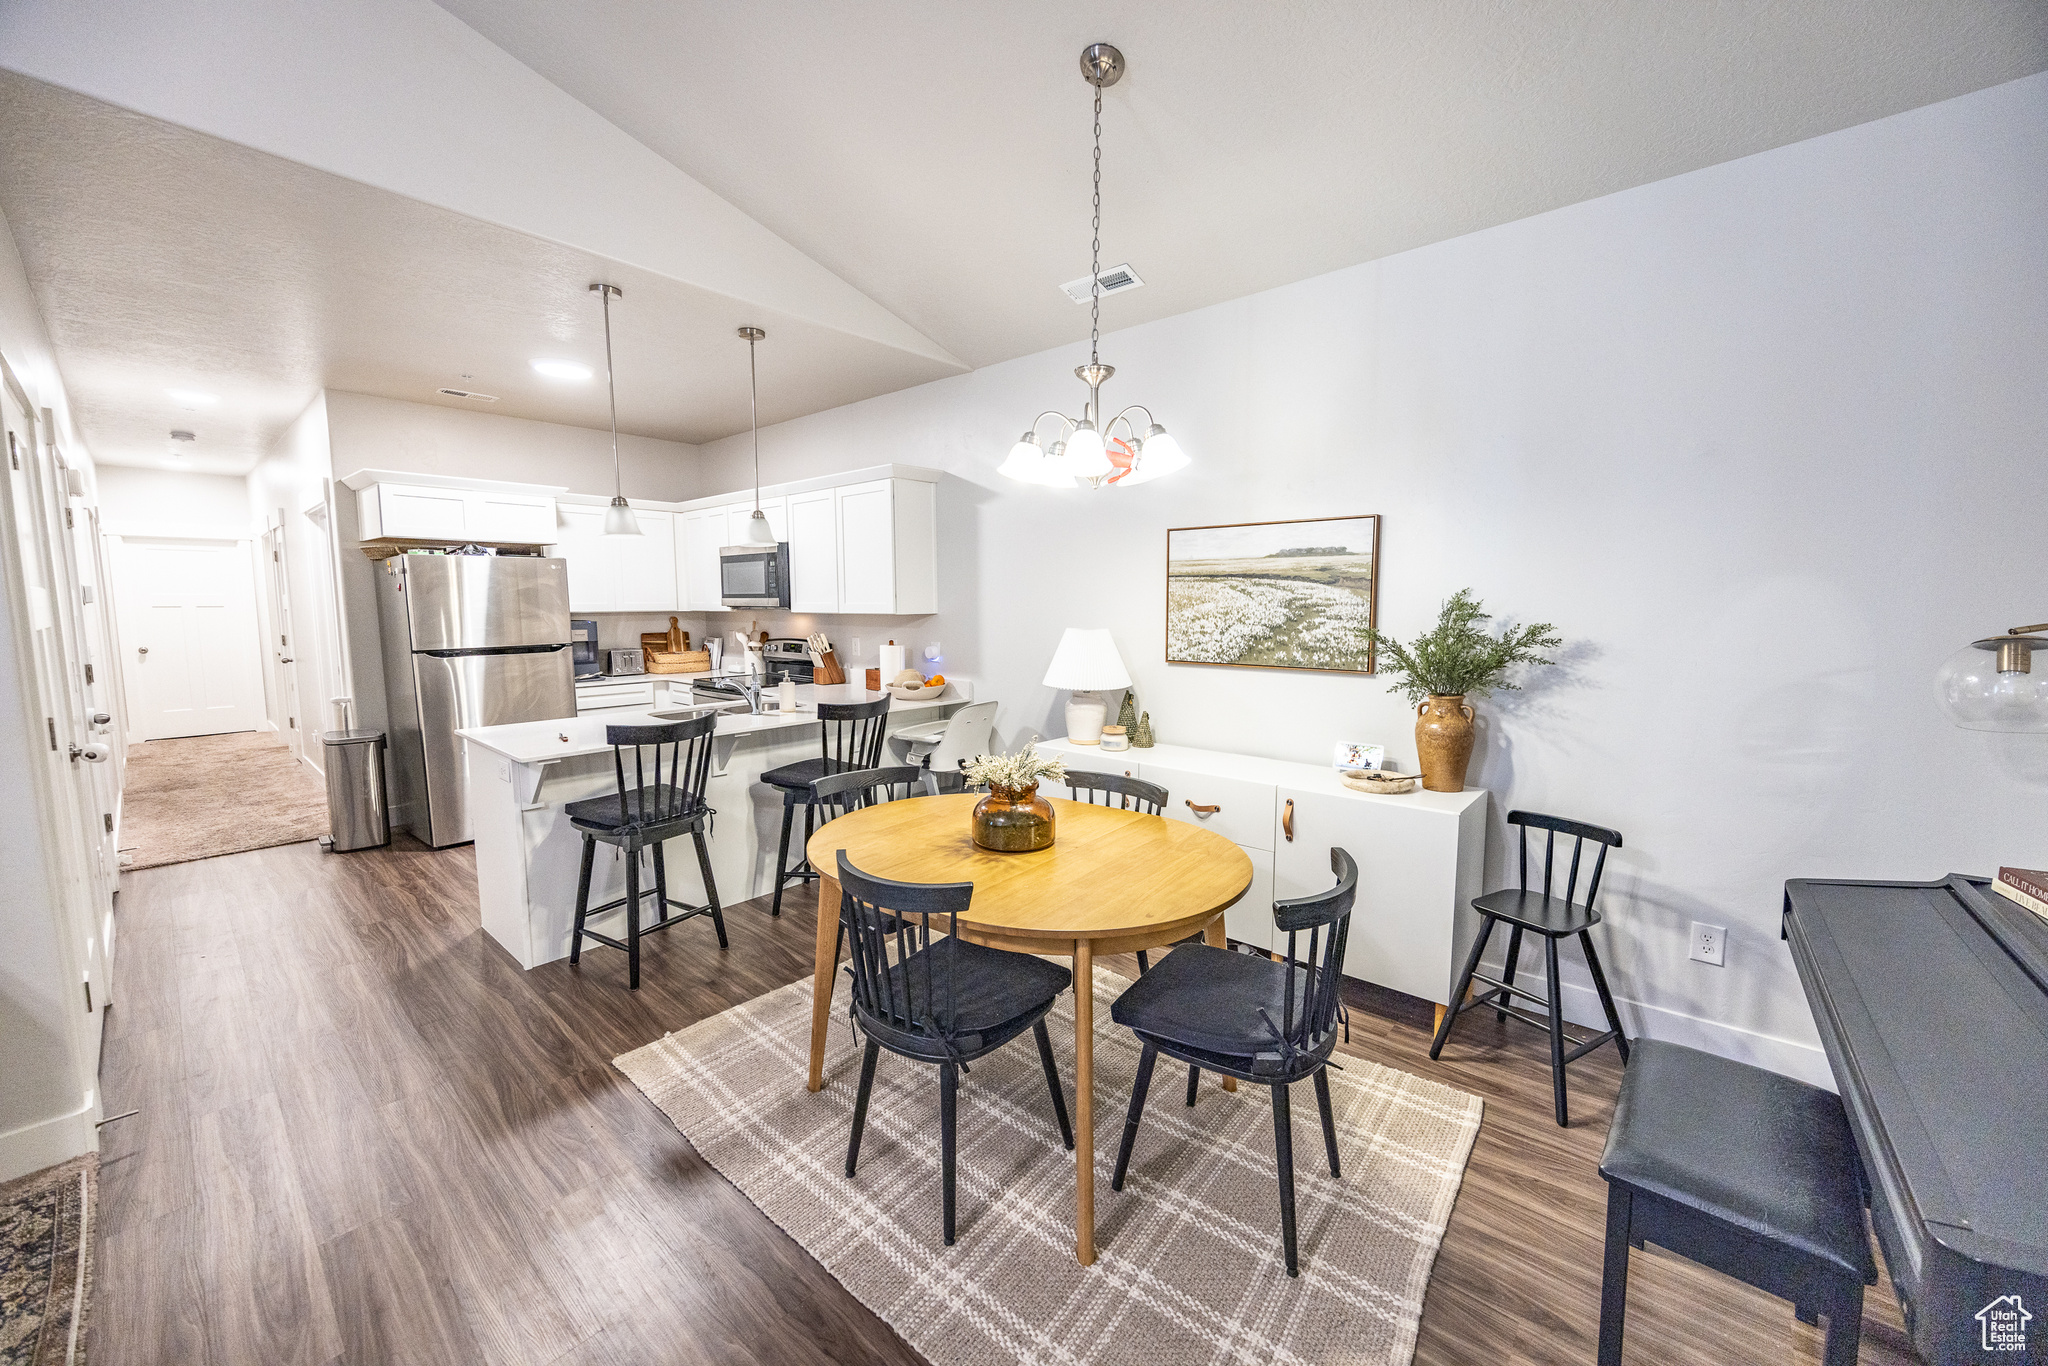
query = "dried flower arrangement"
{"x": 1014, "y": 772}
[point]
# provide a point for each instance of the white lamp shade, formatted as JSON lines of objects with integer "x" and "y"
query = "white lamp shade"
{"x": 1026, "y": 462}
{"x": 620, "y": 521}
{"x": 1978, "y": 697}
{"x": 1053, "y": 471}
{"x": 1086, "y": 458}
{"x": 1086, "y": 660}
{"x": 758, "y": 530}
{"x": 1158, "y": 455}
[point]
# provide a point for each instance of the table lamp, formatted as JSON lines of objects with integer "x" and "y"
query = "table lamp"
{"x": 1085, "y": 662}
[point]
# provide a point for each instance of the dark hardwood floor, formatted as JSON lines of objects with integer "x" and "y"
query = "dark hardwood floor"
{"x": 366, "y": 1136}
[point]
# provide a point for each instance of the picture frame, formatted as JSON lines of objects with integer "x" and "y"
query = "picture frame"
{"x": 1290, "y": 594}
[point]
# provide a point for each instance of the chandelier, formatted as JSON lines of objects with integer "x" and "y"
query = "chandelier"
{"x": 1087, "y": 450}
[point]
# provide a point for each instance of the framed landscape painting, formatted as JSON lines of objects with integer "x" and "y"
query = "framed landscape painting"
{"x": 1273, "y": 595}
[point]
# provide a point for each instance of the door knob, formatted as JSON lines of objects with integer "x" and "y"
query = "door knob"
{"x": 142, "y": 649}
{"x": 94, "y": 753}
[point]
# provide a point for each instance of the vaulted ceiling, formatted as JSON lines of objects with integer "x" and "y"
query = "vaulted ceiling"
{"x": 904, "y": 183}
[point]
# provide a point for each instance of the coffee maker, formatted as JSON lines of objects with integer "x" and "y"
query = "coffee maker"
{"x": 584, "y": 658}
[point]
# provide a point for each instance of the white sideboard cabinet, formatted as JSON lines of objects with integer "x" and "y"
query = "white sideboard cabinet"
{"x": 1421, "y": 855}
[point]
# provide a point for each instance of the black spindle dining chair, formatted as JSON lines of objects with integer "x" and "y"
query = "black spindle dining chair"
{"x": 1124, "y": 793}
{"x": 850, "y": 738}
{"x": 663, "y": 800}
{"x": 1270, "y": 1021}
{"x": 938, "y": 998}
{"x": 1554, "y": 918}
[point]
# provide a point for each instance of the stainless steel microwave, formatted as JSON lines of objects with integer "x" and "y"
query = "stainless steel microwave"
{"x": 754, "y": 575}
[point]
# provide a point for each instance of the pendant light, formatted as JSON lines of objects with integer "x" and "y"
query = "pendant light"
{"x": 758, "y": 530}
{"x": 618, "y": 518}
{"x": 1991, "y": 684}
{"x": 1080, "y": 454}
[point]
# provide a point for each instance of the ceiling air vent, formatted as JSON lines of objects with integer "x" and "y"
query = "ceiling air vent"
{"x": 464, "y": 393}
{"x": 1115, "y": 280}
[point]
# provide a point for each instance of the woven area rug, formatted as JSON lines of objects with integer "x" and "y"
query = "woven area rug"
{"x": 216, "y": 794}
{"x": 46, "y": 1264}
{"x": 1189, "y": 1265}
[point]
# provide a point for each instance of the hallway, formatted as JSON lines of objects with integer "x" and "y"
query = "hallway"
{"x": 209, "y": 795}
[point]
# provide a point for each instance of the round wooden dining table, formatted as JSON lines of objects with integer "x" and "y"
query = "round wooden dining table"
{"x": 1112, "y": 882}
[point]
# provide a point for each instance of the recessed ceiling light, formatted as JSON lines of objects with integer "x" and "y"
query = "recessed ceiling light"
{"x": 192, "y": 398}
{"x": 562, "y": 369}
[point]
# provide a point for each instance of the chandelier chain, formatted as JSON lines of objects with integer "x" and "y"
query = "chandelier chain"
{"x": 1095, "y": 247}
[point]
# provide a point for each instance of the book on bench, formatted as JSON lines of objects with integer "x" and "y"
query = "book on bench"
{"x": 2027, "y": 886}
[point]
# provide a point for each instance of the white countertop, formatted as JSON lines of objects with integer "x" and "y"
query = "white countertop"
{"x": 537, "y": 742}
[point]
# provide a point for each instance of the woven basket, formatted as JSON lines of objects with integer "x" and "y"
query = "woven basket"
{"x": 688, "y": 662}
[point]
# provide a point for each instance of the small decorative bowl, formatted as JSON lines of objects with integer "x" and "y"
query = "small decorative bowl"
{"x": 903, "y": 692}
{"x": 1382, "y": 784}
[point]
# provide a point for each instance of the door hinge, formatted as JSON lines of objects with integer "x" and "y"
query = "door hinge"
{"x": 53, "y": 731}
{"x": 273, "y": 556}
{"x": 88, "y": 675}
{"x": 68, "y": 523}
{"x": 292, "y": 721}
{"x": 13, "y": 452}
{"x": 107, "y": 818}
{"x": 281, "y": 641}
{"x": 88, "y": 998}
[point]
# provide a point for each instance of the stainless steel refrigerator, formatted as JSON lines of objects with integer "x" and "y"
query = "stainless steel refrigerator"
{"x": 469, "y": 640}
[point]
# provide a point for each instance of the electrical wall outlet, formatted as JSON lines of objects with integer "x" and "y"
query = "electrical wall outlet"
{"x": 1709, "y": 942}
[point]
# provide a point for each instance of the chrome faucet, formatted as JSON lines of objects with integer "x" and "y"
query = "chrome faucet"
{"x": 746, "y": 687}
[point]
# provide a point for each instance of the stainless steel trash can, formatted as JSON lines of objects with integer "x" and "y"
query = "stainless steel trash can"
{"x": 357, "y": 814}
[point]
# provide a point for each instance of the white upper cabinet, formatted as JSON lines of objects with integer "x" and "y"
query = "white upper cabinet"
{"x": 699, "y": 534}
{"x": 515, "y": 518}
{"x": 647, "y": 564}
{"x": 888, "y": 547}
{"x": 423, "y": 512}
{"x": 618, "y": 573}
{"x": 413, "y": 512}
{"x": 593, "y": 571}
{"x": 814, "y": 551}
{"x": 736, "y": 518}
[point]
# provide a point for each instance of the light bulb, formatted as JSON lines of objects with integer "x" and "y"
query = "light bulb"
{"x": 758, "y": 530}
{"x": 1086, "y": 459}
{"x": 1026, "y": 462}
{"x": 619, "y": 519}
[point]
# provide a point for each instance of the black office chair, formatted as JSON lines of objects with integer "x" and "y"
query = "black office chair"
{"x": 640, "y": 816}
{"x": 1270, "y": 1021}
{"x": 1554, "y": 918}
{"x": 849, "y": 738}
{"x": 942, "y": 1000}
{"x": 1125, "y": 794}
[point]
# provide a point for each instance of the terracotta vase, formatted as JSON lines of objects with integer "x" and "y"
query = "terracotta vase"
{"x": 1013, "y": 820}
{"x": 1443, "y": 741}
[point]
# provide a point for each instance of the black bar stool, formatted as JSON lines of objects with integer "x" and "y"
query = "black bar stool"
{"x": 1742, "y": 1170}
{"x": 1554, "y": 918}
{"x": 849, "y": 738}
{"x": 641, "y": 816}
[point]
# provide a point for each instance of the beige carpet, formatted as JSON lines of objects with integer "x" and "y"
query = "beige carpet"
{"x": 1189, "y": 1268}
{"x": 216, "y": 794}
{"x": 46, "y": 1286}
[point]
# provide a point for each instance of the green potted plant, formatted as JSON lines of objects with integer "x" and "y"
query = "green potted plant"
{"x": 1455, "y": 660}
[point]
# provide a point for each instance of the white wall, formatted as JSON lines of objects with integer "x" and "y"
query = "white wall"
{"x": 173, "y": 502}
{"x": 293, "y": 488}
{"x": 1765, "y": 441}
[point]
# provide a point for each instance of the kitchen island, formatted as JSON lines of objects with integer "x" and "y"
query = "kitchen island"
{"x": 528, "y": 854}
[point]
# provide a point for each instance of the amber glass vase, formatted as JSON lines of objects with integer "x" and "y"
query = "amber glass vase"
{"x": 1013, "y": 820}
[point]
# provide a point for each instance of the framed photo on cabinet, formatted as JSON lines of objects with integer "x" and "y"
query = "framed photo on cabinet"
{"x": 1274, "y": 595}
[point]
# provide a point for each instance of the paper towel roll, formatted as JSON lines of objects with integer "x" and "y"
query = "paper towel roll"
{"x": 892, "y": 662}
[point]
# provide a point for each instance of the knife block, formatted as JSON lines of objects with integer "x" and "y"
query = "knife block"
{"x": 828, "y": 670}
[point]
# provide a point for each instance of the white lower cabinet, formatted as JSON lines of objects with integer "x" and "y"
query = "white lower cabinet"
{"x": 1420, "y": 856}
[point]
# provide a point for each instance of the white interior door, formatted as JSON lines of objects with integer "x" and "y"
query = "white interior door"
{"x": 189, "y": 635}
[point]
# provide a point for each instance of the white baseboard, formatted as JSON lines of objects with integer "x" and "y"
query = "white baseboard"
{"x": 48, "y": 1142}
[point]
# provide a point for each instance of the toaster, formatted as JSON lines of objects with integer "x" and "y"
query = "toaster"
{"x": 625, "y": 662}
